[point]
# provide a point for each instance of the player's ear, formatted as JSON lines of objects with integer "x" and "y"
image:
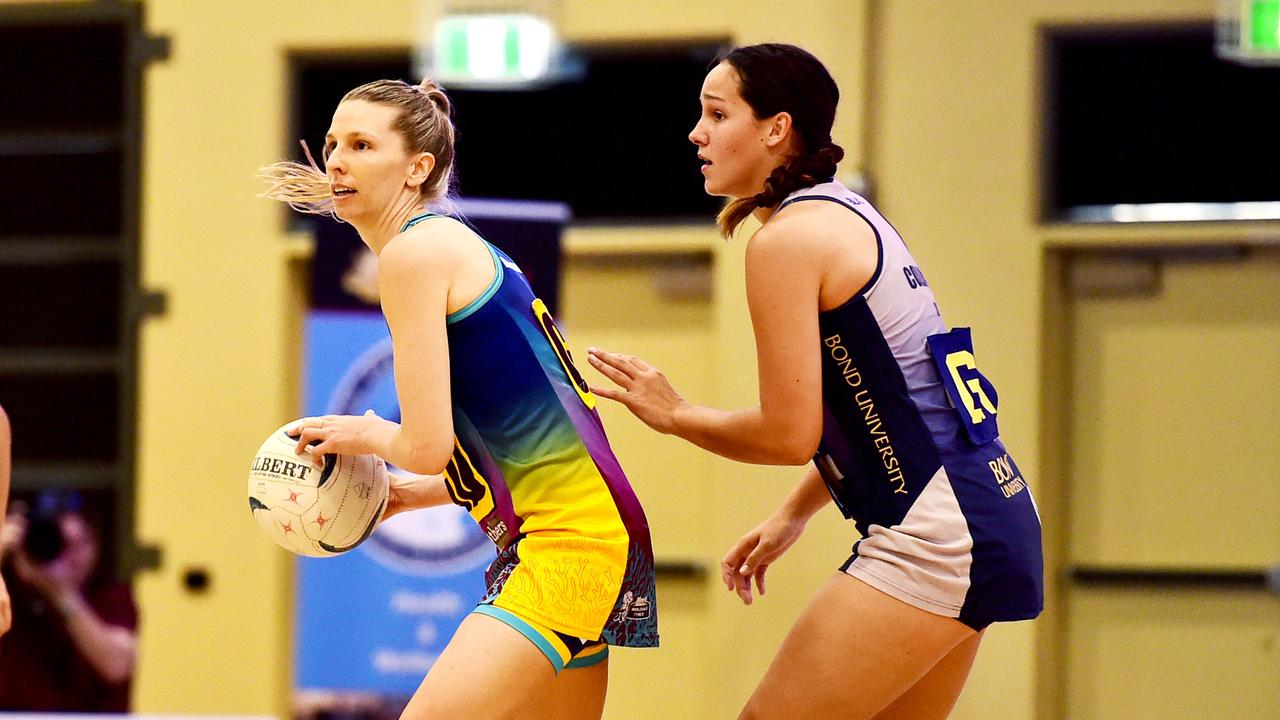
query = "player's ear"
{"x": 420, "y": 167}
{"x": 779, "y": 129}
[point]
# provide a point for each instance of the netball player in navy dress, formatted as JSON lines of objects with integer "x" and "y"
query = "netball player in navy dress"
{"x": 858, "y": 374}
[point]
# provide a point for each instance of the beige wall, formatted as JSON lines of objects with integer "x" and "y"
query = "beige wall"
{"x": 951, "y": 144}
{"x": 955, "y": 138}
{"x": 221, "y": 366}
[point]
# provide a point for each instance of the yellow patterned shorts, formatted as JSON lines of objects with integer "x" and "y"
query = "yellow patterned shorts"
{"x": 567, "y": 583}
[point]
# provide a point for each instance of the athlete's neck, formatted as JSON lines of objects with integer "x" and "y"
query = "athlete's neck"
{"x": 377, "y": 231}
{"x": 763, "y": 214}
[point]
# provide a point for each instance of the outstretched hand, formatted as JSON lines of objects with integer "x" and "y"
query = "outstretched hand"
{"x": 640, "y": 386}
{"x": 751, "y": 556}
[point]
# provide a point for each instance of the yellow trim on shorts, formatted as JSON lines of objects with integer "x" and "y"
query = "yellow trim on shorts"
{"x": 589, "y": 656}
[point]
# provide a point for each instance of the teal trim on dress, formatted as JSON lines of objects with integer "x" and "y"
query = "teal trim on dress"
{"x": 475, "y": 305}
{"x": 524, "y": 628}
{"x": 419, "y": 218}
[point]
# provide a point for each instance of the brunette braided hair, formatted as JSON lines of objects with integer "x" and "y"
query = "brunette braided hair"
{"x": 774, "y": 78}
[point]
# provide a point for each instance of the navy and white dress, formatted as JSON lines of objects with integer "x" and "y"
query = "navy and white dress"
{"x": 910, "y": 449}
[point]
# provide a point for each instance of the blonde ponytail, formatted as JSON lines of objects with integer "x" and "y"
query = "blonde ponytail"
{"x": 305, "y": 187}
{"x": 437, "y": 96}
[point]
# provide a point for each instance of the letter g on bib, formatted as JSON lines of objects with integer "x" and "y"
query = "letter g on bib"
{"x": 972, "y": 396}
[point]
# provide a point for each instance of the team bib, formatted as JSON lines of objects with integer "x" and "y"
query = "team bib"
{"x": 971, "y": 395}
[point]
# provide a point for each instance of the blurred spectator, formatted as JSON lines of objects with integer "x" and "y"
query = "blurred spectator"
{"x": 6, "y": 611}
{"x": 73, "y": 642}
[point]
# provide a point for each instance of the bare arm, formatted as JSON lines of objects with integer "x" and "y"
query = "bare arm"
{"x": 784, "y": 271}
{"x": 413, "y": 492}
{"x": 413, "y": 277}
{"x": 413, "y": 280}
{"x": 808, "y": 496}
{"x": 754, "y": 552}
{"x": 110, "y": 649}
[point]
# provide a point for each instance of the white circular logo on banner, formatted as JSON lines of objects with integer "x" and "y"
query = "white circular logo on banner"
{"x": 442, "y": 540}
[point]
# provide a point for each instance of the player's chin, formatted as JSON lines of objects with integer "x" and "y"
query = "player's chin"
{"x": 347, "y": 208}
{"x": 715, "y": 189}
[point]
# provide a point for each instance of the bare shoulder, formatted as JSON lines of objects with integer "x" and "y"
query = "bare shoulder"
{"x": 821, "y": 243}
{"x": 436, "y": 237}
{"x": 809, "y": 230}
{"x": 820, "y": 219}
{"x": 437, "y": 243}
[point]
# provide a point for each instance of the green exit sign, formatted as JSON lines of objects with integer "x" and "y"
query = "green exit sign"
{"x": 1263, "y": 34}
{"x": 483, "y": 49}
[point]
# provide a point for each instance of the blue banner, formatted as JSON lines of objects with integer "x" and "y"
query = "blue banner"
{"x": 375, "y": 619}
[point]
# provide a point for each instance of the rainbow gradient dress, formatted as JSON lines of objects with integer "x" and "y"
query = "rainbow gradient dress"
{"x": 533, "y": 467}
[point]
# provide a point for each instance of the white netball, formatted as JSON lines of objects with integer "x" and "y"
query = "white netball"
{"x": 313, "y": 510}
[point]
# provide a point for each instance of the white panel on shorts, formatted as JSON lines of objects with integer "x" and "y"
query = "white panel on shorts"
{"x": 923, "y": 561}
